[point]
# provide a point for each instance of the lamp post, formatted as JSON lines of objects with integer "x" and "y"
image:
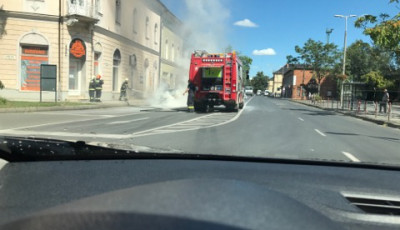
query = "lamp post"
{"x": 344, "y": 51}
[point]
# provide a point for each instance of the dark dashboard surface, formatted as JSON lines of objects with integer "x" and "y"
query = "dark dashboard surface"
{"x": 194, "y": 194}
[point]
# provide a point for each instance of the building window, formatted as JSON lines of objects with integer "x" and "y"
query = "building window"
{"x": 147, "y": 28}
{"x": 134, "y": 23}
{"x": 166, "y": 49}
{"x": 173, "y": 52}
{"x": 115, "y": 72}
{"x": 31, "y": 59}
{"x": 118, "y": 11}
{"x": 96, "y": 63}
{"x": 155, "y": 34}
{"x": 98, "y": 7}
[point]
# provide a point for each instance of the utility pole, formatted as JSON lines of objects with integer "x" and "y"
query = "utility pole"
{"x": 344, "y": 52}
{"x": 328, "y": 33}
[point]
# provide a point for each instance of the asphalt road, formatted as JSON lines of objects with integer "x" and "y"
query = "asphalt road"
{"x": 266, "y": 127}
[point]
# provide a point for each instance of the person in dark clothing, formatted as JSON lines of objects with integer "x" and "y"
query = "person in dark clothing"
{"x": 99, "y": 87}
{"x": 124, "y": 87}
{"x": 92, "y": 89}
{"x": 384, "y": 102}
{"x": 191, "y": 88}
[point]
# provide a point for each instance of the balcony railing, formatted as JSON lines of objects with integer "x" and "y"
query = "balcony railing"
{"x": 82, "y": 8}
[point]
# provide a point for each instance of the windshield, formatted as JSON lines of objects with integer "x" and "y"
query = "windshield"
{"x": 316, "y": 81}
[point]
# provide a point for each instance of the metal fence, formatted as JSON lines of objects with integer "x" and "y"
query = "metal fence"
{"x": 361, "y": 107}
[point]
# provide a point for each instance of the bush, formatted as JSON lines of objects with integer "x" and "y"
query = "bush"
{"x": 317, "y": 98}
{"x": 3, "y": 101}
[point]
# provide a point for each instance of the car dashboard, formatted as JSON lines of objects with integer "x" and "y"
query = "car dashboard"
{"x": 196, "y": 194}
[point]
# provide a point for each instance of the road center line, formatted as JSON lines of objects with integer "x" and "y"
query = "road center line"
{"x": 351, "y": 157}
{"x": 301, "y": 119}
{"x": 320, "y": 133}
{"x": 128, "y": 121}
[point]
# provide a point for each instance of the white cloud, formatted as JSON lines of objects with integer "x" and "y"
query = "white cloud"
{"x": 268, "y": 52}
{"x": 245, "y": 23}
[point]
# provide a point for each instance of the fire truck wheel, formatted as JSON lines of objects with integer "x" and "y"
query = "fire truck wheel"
{"x": 241, "y": 105}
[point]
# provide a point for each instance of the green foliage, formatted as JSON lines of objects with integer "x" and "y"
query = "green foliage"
{"x": 3, "y": 101}
{"x": 317, "y": 98}
{"x": 321, "y": 57}
{"x": 260, "y": 81}
{"x": 363, "y": 58}
{"x": 377, "y": 80}
{"x": 383, "y": 31}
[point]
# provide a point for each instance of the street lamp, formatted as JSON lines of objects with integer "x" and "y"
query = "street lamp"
{"x": 344, "y": 50}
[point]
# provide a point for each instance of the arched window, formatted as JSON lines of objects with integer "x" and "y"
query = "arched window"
{"x": 116, "y": 62}
{"x": 135, "y": 21}
{"x": 147, "y": 28}
{"x": 156, "y": 34}
{"x": 34, "y": 52}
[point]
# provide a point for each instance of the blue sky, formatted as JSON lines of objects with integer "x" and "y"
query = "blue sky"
{"x": 281, "y": 24}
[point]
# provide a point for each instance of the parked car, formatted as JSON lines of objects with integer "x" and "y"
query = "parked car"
{"x": 258, "y": 92}
{"x": 266, "y": 93}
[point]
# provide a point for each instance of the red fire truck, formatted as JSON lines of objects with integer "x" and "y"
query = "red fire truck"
{"x": 218, "y": 79}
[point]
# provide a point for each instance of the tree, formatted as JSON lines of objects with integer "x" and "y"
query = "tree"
{"x": 260, "y": 81}
{"x": 321, "y": 57}
{"x": 375, "y": 79}
{"x": 362, "y": 58}
{"x": 385, "y": 33}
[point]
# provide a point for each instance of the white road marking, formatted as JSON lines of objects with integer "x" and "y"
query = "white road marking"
{"x": 351, "y": 157}
{"x": 128, "y": 121}
{"x": 230, "y": 117}
{"x": 320, "y": 133}
{"x": 66, "y": 122}
{"x": 301, "y": 119}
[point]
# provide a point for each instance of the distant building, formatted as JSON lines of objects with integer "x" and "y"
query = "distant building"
{"x": 271, "y": 85}
{"x": 277, "y": 82}
{"x": 296, "y": 77}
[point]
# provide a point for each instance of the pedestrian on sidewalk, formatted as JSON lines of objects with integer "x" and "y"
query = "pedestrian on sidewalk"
{"x": 92, "y": 89}
{"x": 191, "y": 88}
{"x": 124, "y": 87}
{"x": 384, "y": 102}
{"x": 99, "y": 87}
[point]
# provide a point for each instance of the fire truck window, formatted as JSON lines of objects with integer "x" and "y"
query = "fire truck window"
{"x": 211, "y": 78}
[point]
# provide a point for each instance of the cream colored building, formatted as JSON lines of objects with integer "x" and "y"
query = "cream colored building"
{"x": 173, "y": 72}
{"x": 114, "y": 38}
{"x": 277, "y": 81}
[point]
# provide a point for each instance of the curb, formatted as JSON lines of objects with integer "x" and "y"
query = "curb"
{"x": 379, "y": 122}
{"x": 60, "y": 108}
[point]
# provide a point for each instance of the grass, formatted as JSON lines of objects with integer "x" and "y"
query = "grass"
{"x": 23, "y": 104}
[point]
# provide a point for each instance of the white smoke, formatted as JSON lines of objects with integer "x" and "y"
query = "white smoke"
{"x": 204, "y": 27}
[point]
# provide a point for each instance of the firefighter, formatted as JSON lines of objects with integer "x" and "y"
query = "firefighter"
{"x": 191, "y": 88}
{"x": 124, "y": 87}
{"x": 99, "y": 87}
{"x": 92, "y": 88}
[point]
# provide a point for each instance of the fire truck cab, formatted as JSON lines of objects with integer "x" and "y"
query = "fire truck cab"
{"x": 218, "y": 79}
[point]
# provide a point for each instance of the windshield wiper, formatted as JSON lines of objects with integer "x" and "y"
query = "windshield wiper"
{"x": 35, "y": 149}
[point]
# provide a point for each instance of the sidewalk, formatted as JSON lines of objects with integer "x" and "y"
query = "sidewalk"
{"x": 92, "y": 105}
{"x": 365, "y": 112}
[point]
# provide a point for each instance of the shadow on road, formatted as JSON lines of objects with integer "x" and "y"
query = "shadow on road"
{"x": 322, "y": 113}
{"x": 392, "y": 139}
